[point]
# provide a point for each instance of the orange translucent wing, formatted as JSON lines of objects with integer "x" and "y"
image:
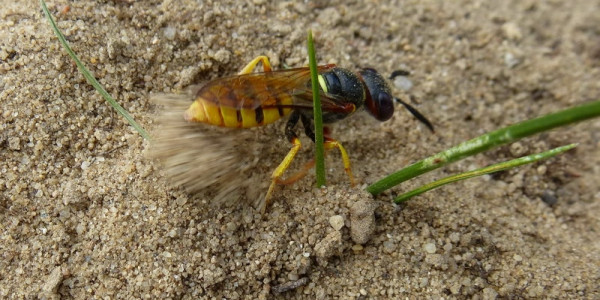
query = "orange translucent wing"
{"x": 289, "y": 88}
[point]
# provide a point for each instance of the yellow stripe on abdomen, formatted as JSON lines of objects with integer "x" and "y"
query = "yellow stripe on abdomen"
{"x": 230, "y": 117}
{"x": 214, "y": 113}
{"x": 204, "y": 112}
{"x": 285, "y": 100}
{"x": 271, "y": 115}
{"x": 196, "y": 113}
{"x": 248, "y": 118}
{"x": 209, "y": 112}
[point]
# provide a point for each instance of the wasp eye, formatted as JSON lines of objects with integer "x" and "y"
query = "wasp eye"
{"x": 384, "y": 107}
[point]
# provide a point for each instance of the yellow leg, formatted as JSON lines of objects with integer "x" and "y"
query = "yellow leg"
{"x": 281, "y": 168}
{"x": 250, "y": 67}
{"x": 330, "y": 144}
{"x": 298, "y": 175}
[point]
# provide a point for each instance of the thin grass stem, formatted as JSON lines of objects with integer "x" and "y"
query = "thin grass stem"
{"x": 487, "y": 141}
{"x": 90, "y": 78}
{"x": 482, "y": 171}
{"x": 319, "y": 148}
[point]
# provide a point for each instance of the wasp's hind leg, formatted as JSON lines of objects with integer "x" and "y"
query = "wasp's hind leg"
{"x": 250, "y": 66}
{"x": 278, "y": 172}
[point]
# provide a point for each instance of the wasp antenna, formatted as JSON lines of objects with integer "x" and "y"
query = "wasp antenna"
{"x": 399, "y": 73}
{"x": 417, "y": 114}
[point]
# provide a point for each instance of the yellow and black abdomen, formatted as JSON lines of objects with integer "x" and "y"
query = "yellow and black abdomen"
{"x": 242, "y": 101}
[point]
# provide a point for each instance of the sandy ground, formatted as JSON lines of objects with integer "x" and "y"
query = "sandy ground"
{"x": 85, "y": 214}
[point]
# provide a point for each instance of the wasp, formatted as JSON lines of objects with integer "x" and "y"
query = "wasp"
{"x": 251, "y": 99}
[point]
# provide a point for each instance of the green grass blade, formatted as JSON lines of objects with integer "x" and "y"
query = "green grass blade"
{"x": 319, "y": 148}
{"x": 487, "y": 141}
{"x": 90, "y": 78}
{"x": 482, "y": 171}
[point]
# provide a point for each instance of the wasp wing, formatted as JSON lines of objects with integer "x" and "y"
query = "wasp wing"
{"x": 289, "y": 88}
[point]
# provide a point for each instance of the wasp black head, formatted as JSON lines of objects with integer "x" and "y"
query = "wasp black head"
{"x": 379, "y": 99}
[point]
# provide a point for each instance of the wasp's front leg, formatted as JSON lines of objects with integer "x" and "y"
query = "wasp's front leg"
{"x": 330, "y": 144}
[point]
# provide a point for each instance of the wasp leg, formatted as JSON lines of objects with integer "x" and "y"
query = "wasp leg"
{"x": 249, "y": 67}
{"x": 298, "y": 175}
{"x": 330, "y": 144}
{"x": 309, "y": 131}
{"x": 278, "y": 172}
{"x": 309, "y": 128}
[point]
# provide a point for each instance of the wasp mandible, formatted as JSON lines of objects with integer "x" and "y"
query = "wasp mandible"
{"x": 255, "y": 99}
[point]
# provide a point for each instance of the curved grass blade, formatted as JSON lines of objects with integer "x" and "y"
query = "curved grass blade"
{"x": 90, "y": 78}
{"x": 482, "y": 171}
{"x": 487, "y": 141}
{"x": 319, "y": 148}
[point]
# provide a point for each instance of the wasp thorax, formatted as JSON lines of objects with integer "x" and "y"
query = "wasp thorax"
{"x": 379, "y": 100}
{"x": 345, "y": 84}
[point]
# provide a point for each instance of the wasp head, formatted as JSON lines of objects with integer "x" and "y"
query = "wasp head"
{"x": 379, "y": 99}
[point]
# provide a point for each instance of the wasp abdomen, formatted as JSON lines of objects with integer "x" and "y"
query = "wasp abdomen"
{"x": 228, "y": 105}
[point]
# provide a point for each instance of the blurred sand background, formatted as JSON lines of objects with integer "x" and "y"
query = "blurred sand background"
{"x": 85, "y": 214}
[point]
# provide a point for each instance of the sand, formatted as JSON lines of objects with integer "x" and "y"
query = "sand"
{"x": 86, "y": 214}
